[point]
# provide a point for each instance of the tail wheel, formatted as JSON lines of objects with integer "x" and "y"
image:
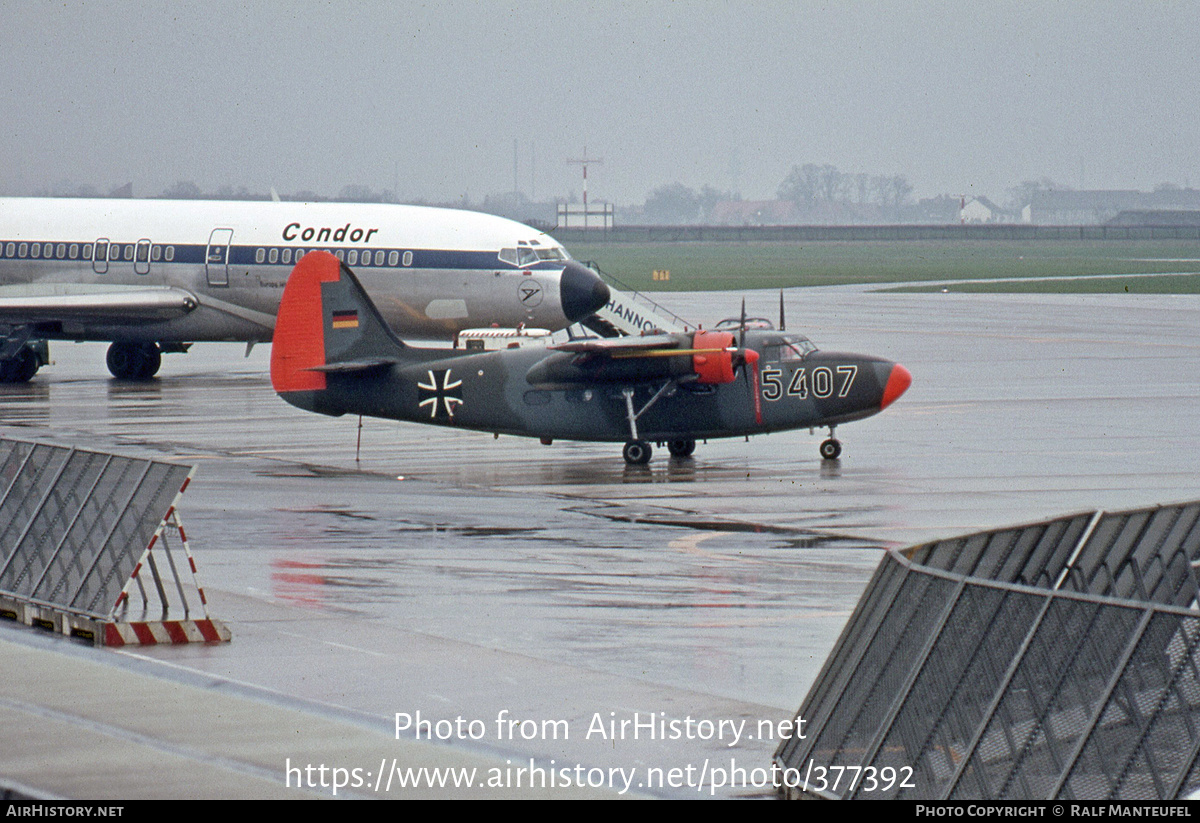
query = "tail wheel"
{"x": 637, "y": 452}
{"x": 681, "y": 448}
{"x": 831, "y": 449}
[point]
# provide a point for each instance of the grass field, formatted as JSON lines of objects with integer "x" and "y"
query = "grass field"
{"x": 1039, "y": 265}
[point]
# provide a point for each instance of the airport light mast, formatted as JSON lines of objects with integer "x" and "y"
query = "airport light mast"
{"x": 584, "y": 162}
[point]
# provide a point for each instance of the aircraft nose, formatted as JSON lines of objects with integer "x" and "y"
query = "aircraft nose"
{"x": 581, "y": 291}
{"x": 898, "y": 381}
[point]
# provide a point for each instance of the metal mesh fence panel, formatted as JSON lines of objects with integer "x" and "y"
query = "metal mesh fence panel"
{"x": 1059, "y": 659}
{"x": 74, "y": 523}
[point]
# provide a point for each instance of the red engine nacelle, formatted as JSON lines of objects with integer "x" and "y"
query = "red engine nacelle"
{"x": 715, "y": 366}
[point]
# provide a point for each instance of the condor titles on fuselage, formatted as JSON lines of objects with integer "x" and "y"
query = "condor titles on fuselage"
{"x": 157, "y": 275}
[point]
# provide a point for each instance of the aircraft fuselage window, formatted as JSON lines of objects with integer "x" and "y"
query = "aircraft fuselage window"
{"x": 74, "y": 251}
{"x": 393, "y": 258}
{"x": 60, "y": 251}
{"x": 170, "y": 253}
{"x": 260, "y": 255}
{"x": 287, "y": 255}
{"x": 352, "y": 258}
{"x": 35, "y": 251}
{"x": 10, "y": 249}
{"x": 408, "y": 258}
{"x": 273, "y": 255}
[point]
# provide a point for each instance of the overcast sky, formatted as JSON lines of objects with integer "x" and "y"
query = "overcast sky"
{"x": 962, "y": 98}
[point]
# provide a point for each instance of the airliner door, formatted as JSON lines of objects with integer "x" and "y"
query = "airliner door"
{"x": 216, "y": 258}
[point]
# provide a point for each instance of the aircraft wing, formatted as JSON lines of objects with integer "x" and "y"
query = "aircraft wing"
{"x": 617, "y": 346}
{"x": 48, "y": 302}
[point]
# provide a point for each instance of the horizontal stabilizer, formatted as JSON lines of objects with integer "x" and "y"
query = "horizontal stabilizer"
{"x": 357, "y": 366}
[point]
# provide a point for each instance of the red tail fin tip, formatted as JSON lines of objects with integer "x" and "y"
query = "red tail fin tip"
{"x": 298, "y": 345}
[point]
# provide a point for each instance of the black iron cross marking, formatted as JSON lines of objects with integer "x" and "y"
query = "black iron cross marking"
{"x": 441, "y": 395}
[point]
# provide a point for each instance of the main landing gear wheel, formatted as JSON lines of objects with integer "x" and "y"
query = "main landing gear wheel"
{"x": 681, "y": 448}
{"x": 831, "y": 449}
{"x": 19, "y": 369}
{"x": 134, "y": 361}
{"x": 637, "y": 452}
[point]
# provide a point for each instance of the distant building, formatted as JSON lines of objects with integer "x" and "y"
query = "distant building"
{"x": 982, "y": 210}
{"x": 1163, "y": 218}
{"x": 1093, "y": 208}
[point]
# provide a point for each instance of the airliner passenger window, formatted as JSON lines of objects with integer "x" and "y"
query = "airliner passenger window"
{"x": 23, "y": 250}
{"x": 260, "y": 255}
{"x": 61, "y": 251}
{"x": 170, "y": 253}
{"x": 287, "y": 255}
{"x": 408, "y": 258}
{"x": 74, "y": 252}
{"x": 35, "y": 251}
{"x": 10, "y": 249}
{"x": 379, "y": 258}
{"x": 393, "y": 258}
{"x": 273, "y": 256}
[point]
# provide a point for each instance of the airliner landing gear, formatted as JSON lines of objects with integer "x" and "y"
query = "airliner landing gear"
{"x": 831, "y": 449}
{"x": 637, "y": 452}
{"x": 681, "y": 448}
{"x": 134, "y": 361}
{"x": 20, "y": 368}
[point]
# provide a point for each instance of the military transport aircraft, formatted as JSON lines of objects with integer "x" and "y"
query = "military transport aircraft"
{"x": 334, "y": 354}
{"x": 154, "y": 276}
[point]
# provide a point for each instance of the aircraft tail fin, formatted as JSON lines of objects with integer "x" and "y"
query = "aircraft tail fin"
{"x": 326, "y": 324}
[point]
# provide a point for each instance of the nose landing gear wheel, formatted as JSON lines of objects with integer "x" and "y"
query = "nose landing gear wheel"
{"x": 831, "y": 449}
{"x": 637, "y": 452}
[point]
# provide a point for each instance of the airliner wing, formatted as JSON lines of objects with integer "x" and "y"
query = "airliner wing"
{"x": 48, "y": 302}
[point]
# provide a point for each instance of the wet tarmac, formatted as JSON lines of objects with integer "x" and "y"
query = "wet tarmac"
{"x": 459, "y": 576}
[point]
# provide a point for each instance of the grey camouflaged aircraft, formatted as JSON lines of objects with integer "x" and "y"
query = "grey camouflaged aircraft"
{"x": 333, "y": 354}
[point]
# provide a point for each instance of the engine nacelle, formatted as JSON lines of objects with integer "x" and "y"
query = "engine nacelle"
{"x": 714, "y": 363}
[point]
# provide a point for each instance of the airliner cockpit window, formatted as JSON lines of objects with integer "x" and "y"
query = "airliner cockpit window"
{"x": 526, "y": 255}
{"x": 551, "y": 253}
{"x": 509, "y": 256}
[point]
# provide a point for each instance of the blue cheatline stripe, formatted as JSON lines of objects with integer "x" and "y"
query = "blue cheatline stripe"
{"x": 248, "y": 255}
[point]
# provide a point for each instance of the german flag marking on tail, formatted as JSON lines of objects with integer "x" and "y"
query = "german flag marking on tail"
{"x": 345, "y": 319}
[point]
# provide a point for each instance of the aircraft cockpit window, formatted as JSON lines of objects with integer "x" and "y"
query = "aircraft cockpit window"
{"x": 509, "y": 256}
{"x": 526, "y": 255}
{"x": 789, "y": 347}
{"x": 551, "y": 253}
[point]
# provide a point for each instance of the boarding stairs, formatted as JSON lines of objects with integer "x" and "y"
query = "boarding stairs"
{"x": 629, "y": 312}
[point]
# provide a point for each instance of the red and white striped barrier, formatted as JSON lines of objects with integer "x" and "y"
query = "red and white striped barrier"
{"x": 156, "y": 632}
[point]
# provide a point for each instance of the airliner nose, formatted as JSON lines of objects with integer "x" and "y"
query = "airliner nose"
{"x": 899, "y": 379}
{"x": 581, "y": 291}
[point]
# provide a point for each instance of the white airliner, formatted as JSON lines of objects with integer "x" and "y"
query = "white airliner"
{"x": 154, "y": 276}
